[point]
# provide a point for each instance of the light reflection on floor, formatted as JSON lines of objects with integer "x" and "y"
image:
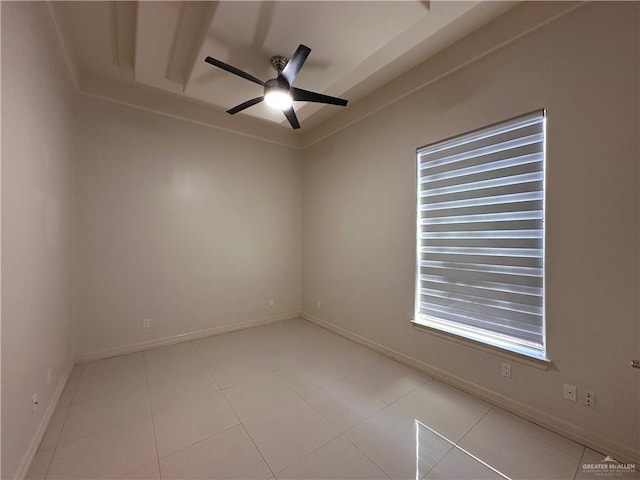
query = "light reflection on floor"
{"x": 297, "y": 402}
{"x": 419, "y": 425}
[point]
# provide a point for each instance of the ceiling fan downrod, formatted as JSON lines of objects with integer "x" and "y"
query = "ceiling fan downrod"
{"x": 278, "y": 62}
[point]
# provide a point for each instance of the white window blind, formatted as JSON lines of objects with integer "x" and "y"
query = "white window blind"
{"x": 481, "y": 235}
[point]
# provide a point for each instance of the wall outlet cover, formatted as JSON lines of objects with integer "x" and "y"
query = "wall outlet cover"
{"x": 569, "y": 392}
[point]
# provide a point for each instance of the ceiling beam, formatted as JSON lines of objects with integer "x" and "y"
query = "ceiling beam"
{"x": 157, "y": 28}
{"x": 192, "y": 31}
{"x": 122, "y": 17}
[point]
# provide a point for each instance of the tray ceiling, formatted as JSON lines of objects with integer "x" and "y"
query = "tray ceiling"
{"x": 357, "y": 47}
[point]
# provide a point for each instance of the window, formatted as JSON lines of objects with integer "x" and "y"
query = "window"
{"x": 480, "y": 235}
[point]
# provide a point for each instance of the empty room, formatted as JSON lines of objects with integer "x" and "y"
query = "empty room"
{"x": 320, "y": 240}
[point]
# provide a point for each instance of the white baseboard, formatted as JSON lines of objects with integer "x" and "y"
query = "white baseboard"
{"x": 588, "y": 438}
{"x": 183, "y": 337}
{"x": 27, "y": 458}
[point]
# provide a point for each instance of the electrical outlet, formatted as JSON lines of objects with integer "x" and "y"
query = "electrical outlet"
{"x": 34, "y": 403}
{"x": 318, "y": 304}
{"x": 146, "y": 323}
{"x": 270, "y": 303}
{"x": 506, "y": 370}
{"x": 589, "y": 399}
{"x": 570, "y": 392}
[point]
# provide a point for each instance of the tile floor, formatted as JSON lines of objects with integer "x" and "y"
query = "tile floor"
{"x": 286, "y": 401}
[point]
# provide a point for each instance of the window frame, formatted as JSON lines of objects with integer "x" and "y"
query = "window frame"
{"x": 478, "y": 337}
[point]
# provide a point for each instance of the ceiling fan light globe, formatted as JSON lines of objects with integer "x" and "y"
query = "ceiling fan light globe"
{"x": 278, "y": 98}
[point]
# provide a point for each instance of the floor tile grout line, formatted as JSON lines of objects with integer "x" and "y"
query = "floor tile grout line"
{"x": 206, "y": 367}
{"x": 359, "y": 421}
{"x": 451, "y": 448}
{"x": 525, "y": 421}
{"x": 199, "y": 354}
{"x": 311, "y": 452}
{"x": 248, "y": 434}
{"x": 111, "y": 392}
{"x": 426, "y": 377}
{"x": 289, "y": 383}
{"x": 115, "y": 392}
{"x": 390, "y": 406}
{"x": 58, "y": 444}
{"x": 84, "y": 374}
{"x": 474, "y": 425}
{"x": 364, "y": 453}
{"x": 342, "y": 377}
{"x": 200, "y": 441}
{"x": 153, "y": 423}
{"x": 522, "y": 420}
{"x": 405, "y": 394}
{"x": 101, "y": 430}
{"x": 301, "y": 397}
{"x": 241, "y": 422}
{"x": 455, "y": 445}
{"x": 280, "y": 407}
{"x": 491, "y": 408}
{"x": 459, "y": 389}
{"x": 584, "y": 450}
{"x": 258, "y": 449}
{"x": 81, "y": 373}
{"x": 443, "y": 384}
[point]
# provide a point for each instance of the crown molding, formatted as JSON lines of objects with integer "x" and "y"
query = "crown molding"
{"x": 509, "y": 27}
{"x": 64, "y": 46}
{"x": 168, "y": 104}
{"x": 183, "y": 108}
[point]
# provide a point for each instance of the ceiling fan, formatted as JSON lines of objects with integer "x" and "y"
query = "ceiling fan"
{"x": 279, "y": 92}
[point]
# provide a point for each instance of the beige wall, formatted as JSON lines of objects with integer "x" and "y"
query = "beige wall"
{"x": 188, "y": 226}
{"x": 36, "y": 228}
{"x": 359, "y": 221}
{"x": 195, "y": 228}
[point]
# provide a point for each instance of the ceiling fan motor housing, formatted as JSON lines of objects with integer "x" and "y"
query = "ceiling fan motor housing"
{"x": 279, "y": 83}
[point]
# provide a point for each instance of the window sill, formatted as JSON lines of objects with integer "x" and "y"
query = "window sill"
{"x": 540, "y": 363}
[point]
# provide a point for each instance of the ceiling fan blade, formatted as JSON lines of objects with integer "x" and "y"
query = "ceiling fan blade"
{"x": 233, "y": 70}
{"x": 291, "y": 70}
{"x": 307, "y": 96}
{"x": 247, "y": 104}
{"x": 291, "y": 116}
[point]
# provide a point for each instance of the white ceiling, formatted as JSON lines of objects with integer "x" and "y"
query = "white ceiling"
{"x": 357, "y": 46}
